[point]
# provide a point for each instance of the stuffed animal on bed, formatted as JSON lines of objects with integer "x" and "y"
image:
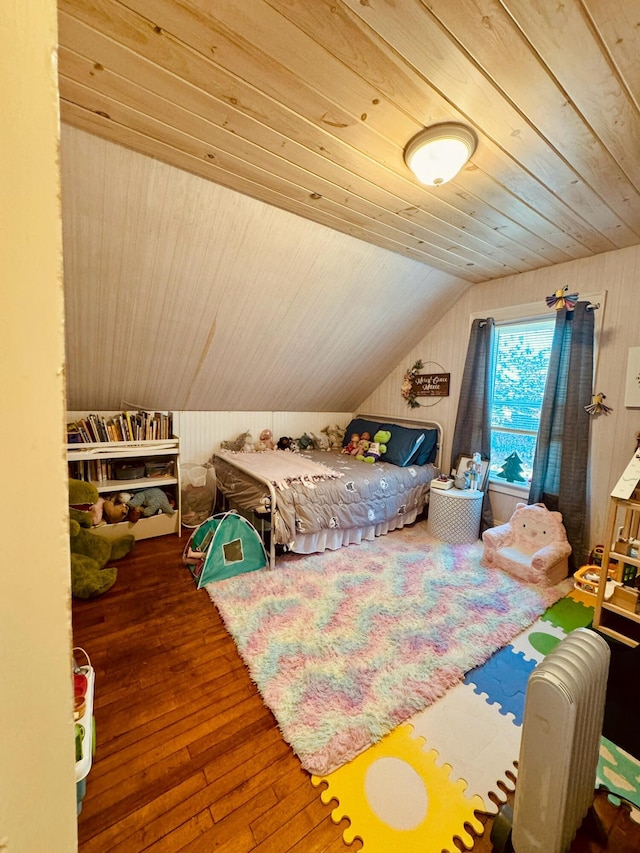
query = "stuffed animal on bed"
{"x": 377, "y": 447}
{"x": 265, "y": 442}
{"x": 362, "y": 446}
{"x": 151, "y": 501}
{"x": 321, "y": 442}
{"x": 352, "y": 447}
{"x": 334, "y": 434}
{"x": 305, "y": 442}
{"x": 286, "y": 443}
{"x": 238, "y": 443}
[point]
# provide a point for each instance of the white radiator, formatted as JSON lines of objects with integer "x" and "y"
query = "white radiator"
{"x": 561, "y": 732}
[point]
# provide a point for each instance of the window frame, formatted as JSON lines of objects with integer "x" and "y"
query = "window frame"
{"x": 525, "y": 313}
{"x": 518, "y": 488}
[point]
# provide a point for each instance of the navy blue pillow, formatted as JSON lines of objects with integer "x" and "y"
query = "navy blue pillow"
{"x": 428, "y": 450}
{"x": 360, "y": 425}
{"x": 409, "y": 445}
{"x": 403, "y": 445}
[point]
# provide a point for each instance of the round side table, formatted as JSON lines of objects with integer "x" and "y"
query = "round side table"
{"x": 454, "y": 515}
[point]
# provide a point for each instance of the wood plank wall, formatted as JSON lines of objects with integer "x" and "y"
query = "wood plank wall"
{"x": 612, "y": 436}
{"x": 201, "y": 432}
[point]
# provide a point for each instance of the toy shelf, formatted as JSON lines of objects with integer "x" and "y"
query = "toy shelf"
{"x": 144, "y": 528}
{"x": 139, "y": 483}
{"x": 96, "y": 463}
{"x": 619, "y": 617}
{"x": 121, "y": 449}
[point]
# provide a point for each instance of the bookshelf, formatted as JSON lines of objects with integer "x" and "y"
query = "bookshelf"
{"x": 114, "y": 465}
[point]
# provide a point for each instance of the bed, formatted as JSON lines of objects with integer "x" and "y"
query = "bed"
{"x": 314, "y": 500}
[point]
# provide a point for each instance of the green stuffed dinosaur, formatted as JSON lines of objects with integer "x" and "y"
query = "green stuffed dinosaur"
{"x": 90, "y": 553}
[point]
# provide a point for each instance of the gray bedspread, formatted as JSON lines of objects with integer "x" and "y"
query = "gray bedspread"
{"x": 366, "y": 496}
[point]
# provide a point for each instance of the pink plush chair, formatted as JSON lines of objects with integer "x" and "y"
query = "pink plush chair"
{"x": 532, "y": 546}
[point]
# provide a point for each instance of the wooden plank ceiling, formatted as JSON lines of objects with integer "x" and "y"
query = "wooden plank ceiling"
{"x": 308, "y": 104}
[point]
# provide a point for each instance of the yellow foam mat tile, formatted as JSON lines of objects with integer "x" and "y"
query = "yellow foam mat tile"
{"x": 397, "y": 798}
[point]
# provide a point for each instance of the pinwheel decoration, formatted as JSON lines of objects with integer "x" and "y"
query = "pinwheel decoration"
{"x": 597, "y": 405}
{"x": 562, "y": 299}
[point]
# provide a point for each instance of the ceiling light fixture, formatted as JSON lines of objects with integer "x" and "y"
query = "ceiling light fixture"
{"x": 436, "y": 154}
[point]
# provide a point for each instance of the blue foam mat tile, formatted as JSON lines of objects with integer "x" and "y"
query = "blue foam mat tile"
{"x": 503, "y": 678}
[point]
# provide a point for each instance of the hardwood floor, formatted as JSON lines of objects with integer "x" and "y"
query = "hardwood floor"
{"x": 188, "y": 758}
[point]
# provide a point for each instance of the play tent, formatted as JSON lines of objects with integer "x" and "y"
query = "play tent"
{"x": 223, "y": 546}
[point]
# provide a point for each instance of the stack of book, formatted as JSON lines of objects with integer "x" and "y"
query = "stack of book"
{"x": 104, "y": 470}
{"x": 92, "y": 470}
{"x": 124, "y": 426}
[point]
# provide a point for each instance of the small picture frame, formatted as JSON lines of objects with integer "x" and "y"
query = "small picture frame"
{"x": 632, "y": 388}
{"x": 464, "y": 463}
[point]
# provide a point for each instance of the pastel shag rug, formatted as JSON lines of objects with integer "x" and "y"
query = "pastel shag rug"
{"x": 344, "y": 646}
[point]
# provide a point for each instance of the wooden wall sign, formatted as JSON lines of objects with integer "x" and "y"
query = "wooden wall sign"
{"x": 430, "y": 385}
{"x": 415, "y": 384}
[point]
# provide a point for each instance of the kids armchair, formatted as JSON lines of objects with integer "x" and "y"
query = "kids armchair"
{"x": 531, "y": 546}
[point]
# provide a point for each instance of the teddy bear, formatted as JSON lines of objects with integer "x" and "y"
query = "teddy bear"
{"x": 114, "y": 510}
{"x": 321, "y": 442}
{"x": 334, "y": 434}
{"x": 89, "y": 552}
{"x": 377, "y": 447}
{"x": 146, "y": 502}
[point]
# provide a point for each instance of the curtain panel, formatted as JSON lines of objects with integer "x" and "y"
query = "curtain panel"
{"x": 472, "y": 433}
{"x": 560, "y": 465}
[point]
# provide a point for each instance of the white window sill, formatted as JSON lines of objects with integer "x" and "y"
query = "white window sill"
{"x": 512, "y": 489}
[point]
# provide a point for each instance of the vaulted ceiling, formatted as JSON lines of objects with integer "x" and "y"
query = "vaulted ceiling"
{"x": 188, "y": 281}
{"x": 308, "y": 105}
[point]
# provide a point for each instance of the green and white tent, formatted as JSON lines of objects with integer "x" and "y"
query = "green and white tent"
{"x": 223, "y": 546}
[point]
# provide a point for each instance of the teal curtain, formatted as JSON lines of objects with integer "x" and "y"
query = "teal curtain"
{"x": 560, "y": 465}
{"x": 472, "y": 433}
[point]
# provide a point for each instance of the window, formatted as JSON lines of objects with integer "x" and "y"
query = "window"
{"x": 523, "y": 334}
{"x": 233, "y": 552}
{"x": 522, "y": 351}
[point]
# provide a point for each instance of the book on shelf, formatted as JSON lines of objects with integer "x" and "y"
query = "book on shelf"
{"x": 123, "y": 426}
{"x": 91, "y": 470}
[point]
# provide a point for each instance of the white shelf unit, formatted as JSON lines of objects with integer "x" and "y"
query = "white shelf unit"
{"x": 119, "y": 451}
{"x": 616, "y": 617}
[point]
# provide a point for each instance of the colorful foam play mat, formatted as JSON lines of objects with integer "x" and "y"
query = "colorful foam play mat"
{"x": 399, "y": 680}
{"x": 422, "y": 786}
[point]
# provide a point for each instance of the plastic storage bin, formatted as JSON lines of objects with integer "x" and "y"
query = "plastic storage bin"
{"x": 87, "y": 723}
{"x": 197, "y": 493}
